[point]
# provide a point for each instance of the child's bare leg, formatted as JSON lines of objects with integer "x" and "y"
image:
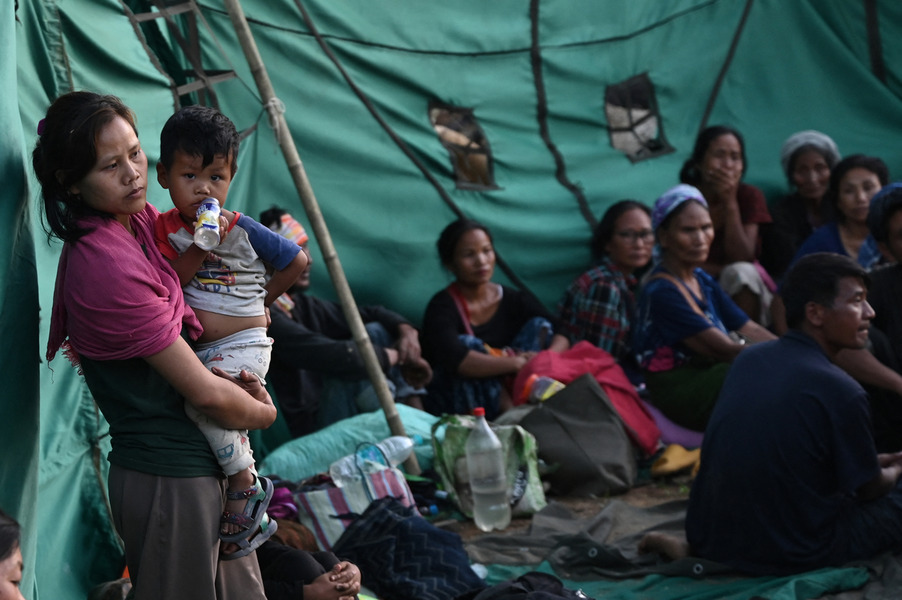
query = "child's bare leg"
{"x": 672, "y": 546}
{"x": 239, "y": 481}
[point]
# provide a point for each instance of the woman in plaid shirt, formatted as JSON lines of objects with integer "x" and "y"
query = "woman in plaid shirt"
{"x": 599, "y": 305}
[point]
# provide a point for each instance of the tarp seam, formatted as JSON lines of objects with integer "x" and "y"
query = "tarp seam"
{"x": 726, "y": 64}
{"x": 594, "y": 42}
{"x": 542, "y": 117}
{"x": 367, "y": 103}
{"x": 875, "y": 47}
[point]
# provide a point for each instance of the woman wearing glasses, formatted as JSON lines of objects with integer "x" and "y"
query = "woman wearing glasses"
{"x": 599, "y": 305}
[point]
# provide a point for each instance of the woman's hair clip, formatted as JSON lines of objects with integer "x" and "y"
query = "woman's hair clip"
{"x": 41, "y": 126}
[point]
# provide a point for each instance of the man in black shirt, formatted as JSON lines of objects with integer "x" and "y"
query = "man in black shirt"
{"x": 317, "y": 372}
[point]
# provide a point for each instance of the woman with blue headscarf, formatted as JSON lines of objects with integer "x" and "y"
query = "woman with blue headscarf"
{"x": 688, "y": 329}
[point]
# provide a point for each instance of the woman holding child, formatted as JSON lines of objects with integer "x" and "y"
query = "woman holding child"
{"x": 477, "y": 333}
{"x": 682, "y": 335}
{"x": 119, "y": 314}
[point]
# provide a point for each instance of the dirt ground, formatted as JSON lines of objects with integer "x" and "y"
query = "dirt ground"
{"x": 648, "y": 494}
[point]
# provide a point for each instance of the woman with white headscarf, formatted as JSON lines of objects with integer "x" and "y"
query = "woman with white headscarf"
{"x": 807, "y": 158}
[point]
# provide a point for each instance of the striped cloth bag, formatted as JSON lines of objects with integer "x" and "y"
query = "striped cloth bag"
{"x": 327, "y": 512}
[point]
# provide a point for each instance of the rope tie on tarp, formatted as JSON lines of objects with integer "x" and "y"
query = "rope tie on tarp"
{"x": 274, "y": 109}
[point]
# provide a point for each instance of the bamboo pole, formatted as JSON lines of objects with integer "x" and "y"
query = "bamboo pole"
{"x": 315, "y": 217}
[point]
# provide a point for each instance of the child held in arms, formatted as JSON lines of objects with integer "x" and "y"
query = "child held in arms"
{"x": 229, "y": 288}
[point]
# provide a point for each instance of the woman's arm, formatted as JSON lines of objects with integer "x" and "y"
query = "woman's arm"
{"x": 478, "y": 365}
{"x": 713, "y": 343}
{"x": 559, "y": 343}
{"x": 217, "y": 397}
{"x": 740, "y": 238}
{"x": 755, "y": 332}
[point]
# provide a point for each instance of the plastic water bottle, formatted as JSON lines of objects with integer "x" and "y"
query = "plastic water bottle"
{"x": 372, "y": 457}
{"x": 488, "y": 482}
{"x": 206, "y": 229}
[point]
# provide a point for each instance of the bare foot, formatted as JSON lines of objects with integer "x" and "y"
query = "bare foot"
{"x": 672, "y": 546}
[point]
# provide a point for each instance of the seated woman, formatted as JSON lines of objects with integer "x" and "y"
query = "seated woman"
{"x": 682, "y": 334}
{"x": 600, "y": 304}
{"x": 853, "y": 183}
{"x": 477, "y": 332}
{"x": 737, "y": 209}
{"x": 807, "y": 158}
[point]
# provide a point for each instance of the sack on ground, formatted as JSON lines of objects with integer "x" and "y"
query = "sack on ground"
{"x": 582, "y": 437}
{"x": 521, "y": 464}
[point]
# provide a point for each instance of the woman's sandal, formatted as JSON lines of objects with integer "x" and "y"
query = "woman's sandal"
{"x": 256, "y": 526}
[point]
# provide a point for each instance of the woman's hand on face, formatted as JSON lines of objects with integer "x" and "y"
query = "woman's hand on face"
{"x": 724, "y": 183}
{"x": 247, "y": 381}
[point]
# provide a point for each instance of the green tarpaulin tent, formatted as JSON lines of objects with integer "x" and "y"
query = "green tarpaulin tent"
{"x": 566, "y": 105}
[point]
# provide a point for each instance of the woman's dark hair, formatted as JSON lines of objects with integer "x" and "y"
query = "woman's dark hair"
{"x": 271, "y": 215}
{"x": 66, "y": 151}
{"x": 815, "y": 278}
{"x": 9, "y": 535}
{"x": 604, "y": 231}
{"x": 447, "y": 240}
{"x": 690, "y": 173}
{"x": 199, "y": 131}
{"x": 855, "y": 161}
{"x": 884, "y": 205}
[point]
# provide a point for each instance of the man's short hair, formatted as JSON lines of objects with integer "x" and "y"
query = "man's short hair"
{"x": 815, "y": 278}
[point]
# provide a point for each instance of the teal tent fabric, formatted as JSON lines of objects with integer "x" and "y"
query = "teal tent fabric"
{"x": 20, "y": 404}
{"x": 533, "y": 73}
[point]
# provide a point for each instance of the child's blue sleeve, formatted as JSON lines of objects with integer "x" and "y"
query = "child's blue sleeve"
{"x": 269, "y": 245}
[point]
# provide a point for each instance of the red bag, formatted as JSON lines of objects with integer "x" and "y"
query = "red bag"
{"x": 584, "y": 358}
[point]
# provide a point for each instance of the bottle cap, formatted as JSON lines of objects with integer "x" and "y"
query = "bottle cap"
{"x": 479, "y": 411}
